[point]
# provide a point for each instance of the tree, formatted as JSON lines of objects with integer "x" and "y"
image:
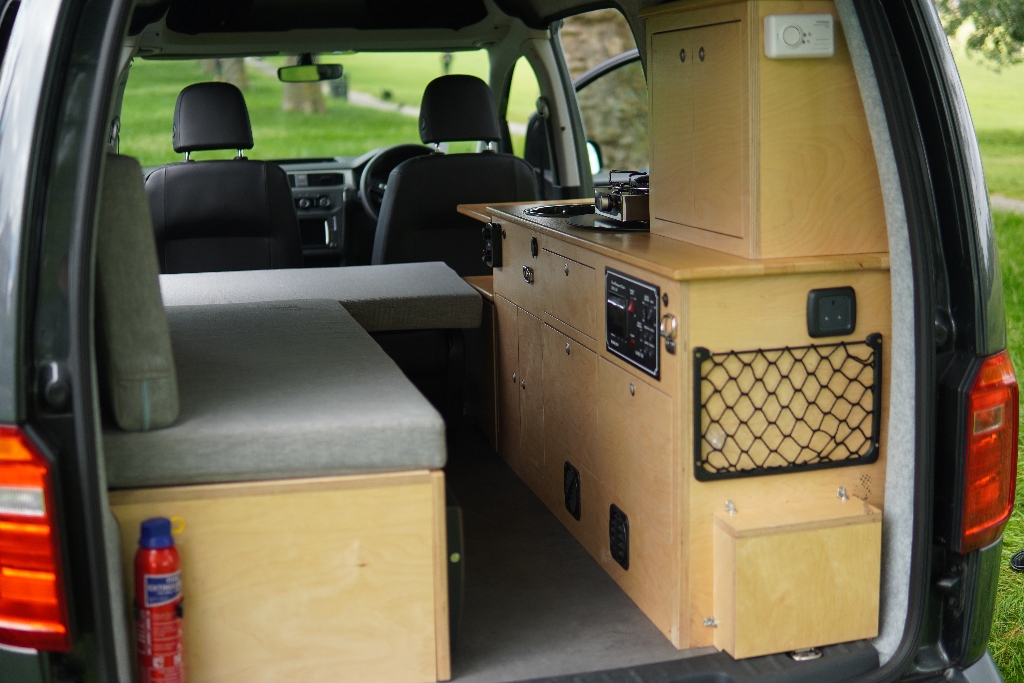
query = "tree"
{"x": 996, "y": 27}
{"x": 305, "y": 97}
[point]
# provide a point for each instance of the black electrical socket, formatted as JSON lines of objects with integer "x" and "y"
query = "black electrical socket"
{"x": 491, "y": 233}
{"x": 831, "y": 312}
{"x": 571, "y": 488}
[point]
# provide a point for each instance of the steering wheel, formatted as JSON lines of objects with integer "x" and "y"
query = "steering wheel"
{"x": 374, "y": 180}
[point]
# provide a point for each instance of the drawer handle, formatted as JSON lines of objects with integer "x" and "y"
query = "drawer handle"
{"x": 567, "y": 269}
{"x": 567, "y": 349}
{"x": 528, "y": 274}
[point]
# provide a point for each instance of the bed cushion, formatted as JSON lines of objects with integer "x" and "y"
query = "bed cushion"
{"x": 278, "y": 390}
{"x": 400, "y": 296}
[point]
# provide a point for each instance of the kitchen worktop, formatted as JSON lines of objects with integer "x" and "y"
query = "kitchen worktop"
{"x": 665, "y": 256}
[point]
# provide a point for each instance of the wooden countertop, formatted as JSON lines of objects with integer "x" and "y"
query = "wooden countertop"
{"x": 665, "y": 256}
{"x": 483, "y": 284}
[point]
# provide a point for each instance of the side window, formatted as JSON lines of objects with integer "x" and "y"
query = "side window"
{"x": 8, "y": 10}
{"x": 614, "y": 111}
{"x": 522, "y": 103}
{"x": 612, "y": 93}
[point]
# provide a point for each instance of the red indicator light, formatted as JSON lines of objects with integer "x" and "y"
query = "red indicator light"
{"x": 991, "y": 468}
{"x": 33, "y": 608}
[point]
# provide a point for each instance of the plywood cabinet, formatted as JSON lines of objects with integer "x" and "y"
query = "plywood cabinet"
{"x": 570, "y": 397}
{"x": 699, "y": 112}
{"x": 631, "y": 435}
{"x": 635, "y": 447}
{"x": 757, "y": 157}
{"x": 520, "y": 393}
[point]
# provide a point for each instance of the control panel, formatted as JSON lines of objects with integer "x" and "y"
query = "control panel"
{"x": 794, "y": 36}
{"x": 632, "y": 318}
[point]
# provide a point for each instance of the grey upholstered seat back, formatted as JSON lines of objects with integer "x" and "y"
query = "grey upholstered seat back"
{"x": 137, "y": 375}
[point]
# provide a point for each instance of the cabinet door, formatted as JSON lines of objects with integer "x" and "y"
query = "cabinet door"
{"x": 507, "y": 377}
{"x": 720, "y": 127}
{"x": 634, "y": 447}
{"x": 531, "y": 394}
{"x": 672, "y": 105}
{"x": 570, "y": 396}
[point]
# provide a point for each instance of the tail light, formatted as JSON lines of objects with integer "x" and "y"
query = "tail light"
{"x": 33, "y": 607}
{"x": 991, "y": 465}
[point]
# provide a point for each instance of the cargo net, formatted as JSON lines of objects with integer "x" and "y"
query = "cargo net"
{"x": 781, "y": 410}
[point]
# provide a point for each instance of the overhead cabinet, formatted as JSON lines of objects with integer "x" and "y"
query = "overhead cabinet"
{"x": 757, "y": 157}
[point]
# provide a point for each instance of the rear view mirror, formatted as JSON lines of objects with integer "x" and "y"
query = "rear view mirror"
{"x": 310, "y": 73}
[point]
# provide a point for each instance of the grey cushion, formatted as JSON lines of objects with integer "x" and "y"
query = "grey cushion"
{"x": 400, "y": 296}
{"x": 279, "y": 390}
{"x": 136, "y": 367}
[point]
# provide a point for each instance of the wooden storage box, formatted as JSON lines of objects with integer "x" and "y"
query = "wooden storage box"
{"x": 307, "y": 579}
{"x": 796, "y": 575}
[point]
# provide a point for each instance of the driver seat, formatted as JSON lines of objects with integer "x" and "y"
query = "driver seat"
{"x": 418, "y": 217}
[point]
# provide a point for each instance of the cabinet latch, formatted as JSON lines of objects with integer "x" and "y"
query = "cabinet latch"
{"x": 668, "y": 329}
{"x": 528, "y": 274}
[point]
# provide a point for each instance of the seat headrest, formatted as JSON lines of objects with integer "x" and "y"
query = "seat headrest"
{"x": 456, "y": 108}
{"x": 211, "y": 116}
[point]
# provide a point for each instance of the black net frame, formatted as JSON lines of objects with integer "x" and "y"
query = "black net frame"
{"x": 774, "y": 411}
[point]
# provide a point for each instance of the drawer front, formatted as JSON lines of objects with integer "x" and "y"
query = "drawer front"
{"x": 570, "y": 292}
{"x": 519, "y": 279}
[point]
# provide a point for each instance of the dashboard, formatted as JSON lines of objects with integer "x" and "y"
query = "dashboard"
{"x": 326, "y": 198}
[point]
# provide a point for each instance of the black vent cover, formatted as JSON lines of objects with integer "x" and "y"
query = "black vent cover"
{"x": 325, "y": 179}
{"x": 618, "y": 535}
{"x": 571, "y": 487}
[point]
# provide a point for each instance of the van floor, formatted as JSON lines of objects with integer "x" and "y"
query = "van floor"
{"x": 535, "y": 604}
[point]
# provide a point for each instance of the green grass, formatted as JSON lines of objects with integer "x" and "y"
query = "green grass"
{"x": 344, "y": 130}
{"x": 997, "y": 109}
{"x": 1007, "y": 640}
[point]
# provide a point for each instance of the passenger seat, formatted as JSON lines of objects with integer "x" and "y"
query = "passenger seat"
{"x": 220, "y": 215}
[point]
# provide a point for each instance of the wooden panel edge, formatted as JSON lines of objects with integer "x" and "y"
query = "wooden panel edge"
{"x": 268, "y": 487}
{"x": 874, "y": 517}
{"x": 682, "y": 6}
{"x": 441, "y": 628}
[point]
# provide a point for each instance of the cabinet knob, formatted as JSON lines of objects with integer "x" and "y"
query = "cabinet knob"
{"x": 522, "y": 384}
{"x": 682, "y": 55}
{"x": 513, "y": 378}
{"x": 567, "y": 349}
{"x": 528, "y": 274}
{"x": 701, "y": 54}
{"x": 632, "y": 389}
{"x": 567, "y": 269}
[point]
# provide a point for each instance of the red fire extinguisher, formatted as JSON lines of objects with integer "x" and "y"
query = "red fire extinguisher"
{"x": 158, "y": 599}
